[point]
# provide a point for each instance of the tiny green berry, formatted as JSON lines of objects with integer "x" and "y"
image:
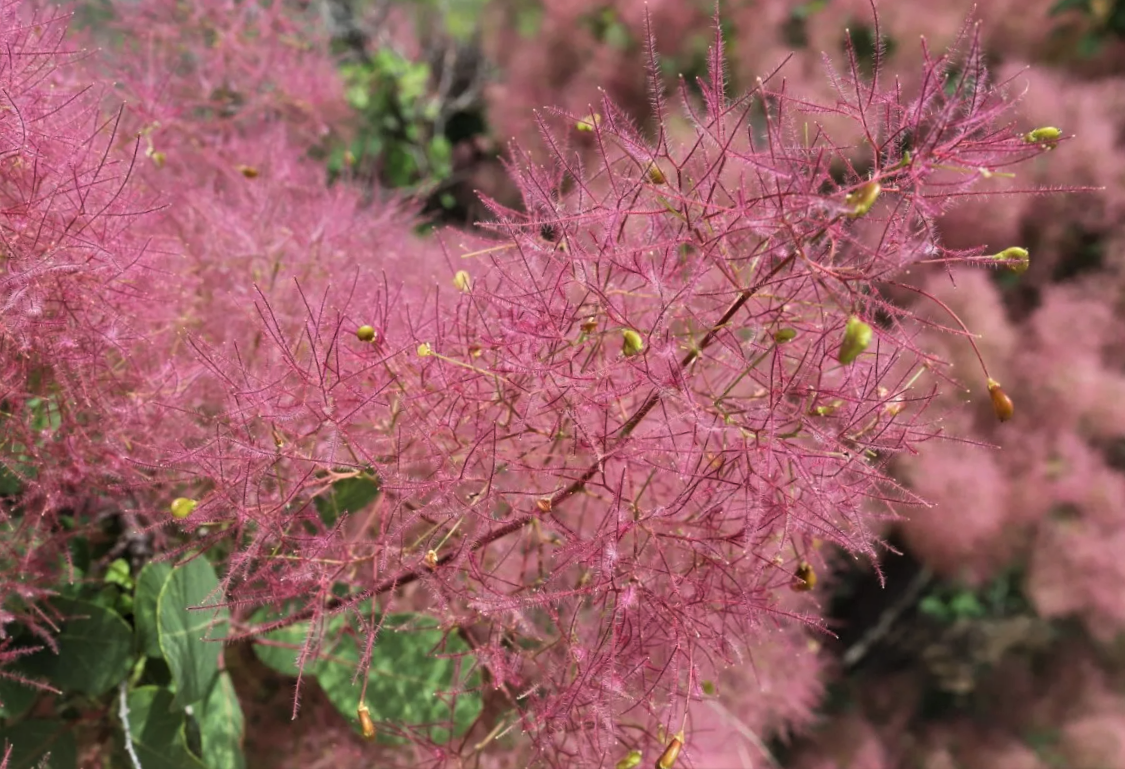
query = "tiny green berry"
{"x": 365, "y": 334}
{"x": 863, "y": 198}
{"x": 631, "y": 761}
{"x": 182, "y": 507}
{"x": 1048, "y": 136}
{"x": 1017, "y": 259}
{"x": 857, "y": 335}
{"x": 462, "y": 282}
{"x": 632, "y": 342}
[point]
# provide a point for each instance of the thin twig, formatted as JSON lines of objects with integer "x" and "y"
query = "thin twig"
{"x": 123, "y": 714}
{"x": 859, "y": 649}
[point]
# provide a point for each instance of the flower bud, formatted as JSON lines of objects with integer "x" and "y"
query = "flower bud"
{"x": 1001, "y": 404}
{"x": 783, "y": 335}
{"x": 424, "y": 350}
{"x": 430, "y": 559}
{"x": 590, "y": 325}
{"x": 248, "y": 171}
{"x": 1048, "y": 136}
{"x": 366, "y": 724}
{"x": 804, "y": 579}
{"x": 462, "y": 282}
{"x": 365, "y": 334}
{"x": 182, "y": 507}
{"x": 631, "y": 761}
{"x": 632, "y": 342}
{"x": 668, "y": 758}
{"x": 1017, "y": 259}
{"x": 863, "y": 198}
{"x": 857, "y": 335}
{"x": 544, "y": 504}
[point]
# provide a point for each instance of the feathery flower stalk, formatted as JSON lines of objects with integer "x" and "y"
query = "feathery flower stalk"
{"x": 605, "y": 462}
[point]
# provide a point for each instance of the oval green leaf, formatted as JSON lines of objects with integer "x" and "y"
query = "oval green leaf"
{"x": 222, "y": 726}
{"x": 157, "y": 729}
{"x": 33, "y": 739}
{"x": 413, "y": 672}
{"x": 149, "y": 583}
{"x": 188, "y": 634}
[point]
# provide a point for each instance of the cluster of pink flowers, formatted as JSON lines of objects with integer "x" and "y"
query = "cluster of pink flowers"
{"x": 611, "y": 440}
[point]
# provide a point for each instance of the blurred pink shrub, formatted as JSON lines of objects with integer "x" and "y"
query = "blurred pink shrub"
{"x": 1064, "y": 709}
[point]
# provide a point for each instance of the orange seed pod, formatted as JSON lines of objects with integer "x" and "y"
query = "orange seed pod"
{"x": 1001, "y": 404}
{"x": 366, "y": 724}
{"x": 671, "y": 753}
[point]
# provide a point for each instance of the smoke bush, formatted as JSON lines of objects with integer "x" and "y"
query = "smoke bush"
{"x": 609, "y": 442}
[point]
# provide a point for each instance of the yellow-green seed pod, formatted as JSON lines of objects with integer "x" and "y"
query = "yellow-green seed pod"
{"x": 655, "y": 175}
{"x": 632, "y": 342}
{"x": 158, "y": 158}
{"x": 862, "y": 199}
{"x": 709, "y": 688}
{"x": 365, "y": 333}
{"x": 462, "y": 282}
{"x": 182, "y": 507}
{"x": 1047, "y": 136}
{"x": 587, "y": 123}
{"x": 783, "y": 335}
{"x": 857, "y": 335}
{"x": 424, "y": 350}
{"x": 1017, "y": 259}
{"x": 632, "y": 760}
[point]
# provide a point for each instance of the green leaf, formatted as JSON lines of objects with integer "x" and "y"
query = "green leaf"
{"x": 157, "y": 729}
{"x": 15, "y": 699}
{"x": 33, "y": 739}
{"x": 95, "y": 650}
{"x": 405, "y": 676}
{"x": 284, "y": 647}
{"x": 118, "y": 574}
{"x": 187, "y": 635}
{"x": 348, "y": 495}
{"x": 149, "y": 584}
{"x": 222, "y": 726}
{"x": 965, "y": 604}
